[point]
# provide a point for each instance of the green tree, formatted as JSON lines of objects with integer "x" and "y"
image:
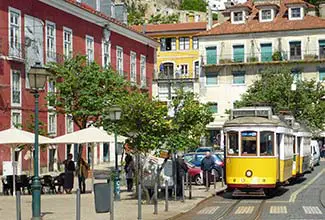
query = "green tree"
{"x": 274, "y": 87}
{"x": 162, "y": 19}
{"x": 189, "y": 122}
{"x": 194, "y": 5}
{"x": 136, "y": 13}
{"x": 85, "y": 90}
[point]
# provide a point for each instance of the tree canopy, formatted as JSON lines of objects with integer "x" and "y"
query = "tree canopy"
{"x": 274, "y": 87}
{"x": 194, "y": 5}
{"x": 85, "y": 90}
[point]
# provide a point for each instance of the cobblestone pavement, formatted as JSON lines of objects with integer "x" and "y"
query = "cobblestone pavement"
{"x": 303, "y": 200}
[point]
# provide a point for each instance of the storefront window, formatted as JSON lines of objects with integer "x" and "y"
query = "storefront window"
{"x": 266, "y": 143}
{"x": 233, "y": 143}
{"x": 249, "y": 142}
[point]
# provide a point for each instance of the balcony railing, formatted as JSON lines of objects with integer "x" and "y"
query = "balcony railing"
{"x": 175, "y": 76}
{"x": 277, "y": 56}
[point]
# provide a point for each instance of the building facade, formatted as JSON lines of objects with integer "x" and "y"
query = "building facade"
{"x": 177, "y": 57}
{"x": 255, "y": 36}
{"x": 49, "y": 30}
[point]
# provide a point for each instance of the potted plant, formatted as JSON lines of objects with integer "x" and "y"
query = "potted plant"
{"x": 277, "y": 56}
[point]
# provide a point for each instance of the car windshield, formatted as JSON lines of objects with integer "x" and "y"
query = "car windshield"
{"x": 203, "y": 149}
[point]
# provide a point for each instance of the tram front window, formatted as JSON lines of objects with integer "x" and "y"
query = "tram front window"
{"x": 233, "y": 143}
{"x": 267, "y": 143}
{"x": 249, "y": 143}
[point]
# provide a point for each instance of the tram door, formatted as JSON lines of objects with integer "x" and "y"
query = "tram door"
{"x": 278, "y": 145}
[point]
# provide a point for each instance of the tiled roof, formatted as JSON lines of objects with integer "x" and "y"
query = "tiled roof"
{"x": 280, "y": 23}
{"x": 93, "y": 11}
{"x": 156, "y": 28}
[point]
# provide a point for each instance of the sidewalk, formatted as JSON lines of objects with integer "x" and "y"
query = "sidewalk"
{"x": 64, "y": 206}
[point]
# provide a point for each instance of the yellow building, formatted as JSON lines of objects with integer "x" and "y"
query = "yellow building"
{"x": 178, "y": 59}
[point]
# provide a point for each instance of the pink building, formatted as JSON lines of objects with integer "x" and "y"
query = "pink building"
{"x": 48, "y": 30}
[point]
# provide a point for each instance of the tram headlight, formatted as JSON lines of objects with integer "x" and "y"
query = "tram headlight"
{"x": 249, "y": 173}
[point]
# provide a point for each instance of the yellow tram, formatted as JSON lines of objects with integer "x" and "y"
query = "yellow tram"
{"x": 259, "y": 152}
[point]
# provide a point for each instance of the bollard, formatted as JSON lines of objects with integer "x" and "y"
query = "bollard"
{"x": 214, "y": 178}
{"x": 78, "y": 205}
{"x": 187, "y": 179}
{"x": 111, "y": 188}
{"x": 190, "y": 189}
{"x": 166, "y": 195}
{"x": 18, "y": 205}
{"x": 207, "y": 180}
{"x": 183, "y": 192}
{"x": 155, "y": 211}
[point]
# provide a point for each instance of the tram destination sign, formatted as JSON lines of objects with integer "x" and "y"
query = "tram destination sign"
{"x": 251, "y": 113}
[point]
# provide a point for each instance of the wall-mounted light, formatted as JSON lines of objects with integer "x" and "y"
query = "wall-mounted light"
{"x": 106, "y": 32}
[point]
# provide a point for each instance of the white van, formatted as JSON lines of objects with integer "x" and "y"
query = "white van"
{"x": 315, "y": 153}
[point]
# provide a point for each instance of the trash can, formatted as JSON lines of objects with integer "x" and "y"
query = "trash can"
{"x": 102, "y": 193}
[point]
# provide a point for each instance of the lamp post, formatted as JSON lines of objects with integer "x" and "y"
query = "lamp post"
{"x": 115, "y": 115}
{"x": 37, "y": 78}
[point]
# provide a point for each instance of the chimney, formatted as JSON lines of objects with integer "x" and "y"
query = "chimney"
{"x": 106, "y": 7}
{"x": 322, "y": 10}
{"x": 209, "y": 18}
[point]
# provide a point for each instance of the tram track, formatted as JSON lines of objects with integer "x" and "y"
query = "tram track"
{"x": 228, "y": 210}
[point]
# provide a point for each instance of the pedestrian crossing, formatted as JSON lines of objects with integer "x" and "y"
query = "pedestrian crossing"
{"x": 249, "y": 209}
{"x": 208, "y": 210}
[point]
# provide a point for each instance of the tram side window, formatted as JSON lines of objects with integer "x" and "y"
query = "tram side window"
{"x": 267, "y": 143}
{"x": 249, "y": 143}
{"x": 233, "y": 143}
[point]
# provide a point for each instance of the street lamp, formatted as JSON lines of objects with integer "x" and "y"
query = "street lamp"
{"x": 37, "y": 78}
{"x": 115, "y": 115}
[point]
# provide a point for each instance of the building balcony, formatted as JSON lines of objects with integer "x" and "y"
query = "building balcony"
{"x": 12, "y": 50}
{"x": 262, "y": 59}
{"x": 161, "y": 76}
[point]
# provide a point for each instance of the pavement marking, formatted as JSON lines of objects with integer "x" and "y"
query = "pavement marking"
{"x": 208, "y": 210}
{"x": 276, "y": 201}
{"x": 251, "y": 201}
{"x": 312, "y": 210}
{"x": 295, "y": 194}
{"x": 278, "y": 210}
{"x": 244, "y": 210}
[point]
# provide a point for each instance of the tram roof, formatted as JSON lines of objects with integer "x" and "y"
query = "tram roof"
{"x": 242, "y": 121}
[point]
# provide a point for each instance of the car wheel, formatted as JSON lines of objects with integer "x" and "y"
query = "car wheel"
{"x": 198, "y": 179}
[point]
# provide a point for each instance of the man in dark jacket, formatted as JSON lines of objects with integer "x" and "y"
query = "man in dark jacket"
{"x": 181, "y": 170}
{"x": 206, "y": 166}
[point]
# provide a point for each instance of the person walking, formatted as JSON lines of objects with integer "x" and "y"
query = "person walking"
{"x": 206, "y": 166}
{"x": 69, "y": 169}
{"x": 181, "y": 170}
{"x": 82, "y": 172}
{"x": 129, "y": 172}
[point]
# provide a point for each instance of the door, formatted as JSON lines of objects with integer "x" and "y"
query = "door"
{"x": 266, "y": 52}
{"x": 239, "y": 53}
{"x": 211, "y": 53}
{"x": 168, "y": 70}
{"x": 106, "y": 152}
{"x": 51, "y": 159}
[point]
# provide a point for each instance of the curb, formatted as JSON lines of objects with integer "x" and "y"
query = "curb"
{"x": 322, "y": 195}
{"x": 217, "y": 192}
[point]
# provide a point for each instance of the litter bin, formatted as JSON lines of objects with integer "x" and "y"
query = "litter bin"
{"x": 102, "y": 193}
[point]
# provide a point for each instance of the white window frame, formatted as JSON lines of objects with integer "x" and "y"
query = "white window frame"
{"x": 195, "y": 42}
{"x": 67, "y": 121}
{"x": 50, "y": 54}
{"x": 49, "y": 126}
{"x": 187, "y": 68}
{"x": 268, "y": 19}
{"x": 143, "y": 70}
{"x": 233, "y": 17}
{"x": 184, "y": 44}
{"x": 105, "y": 54}
{"x": 194, "y": 73}
{"x": 211, "y": 85}
{"x": 65, "y": 29}
{"x": 17, "y": 51}
{"x": 15, "y": 111}
{"x": 133, "y": 60}
{"x": 12, "y": 71}
{"x": 90, "y": 48}
{"x": 301, "y": 13}
{"x": 119, "y": 68}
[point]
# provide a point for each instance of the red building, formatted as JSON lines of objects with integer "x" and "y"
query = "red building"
{"x": 48, "y": 30}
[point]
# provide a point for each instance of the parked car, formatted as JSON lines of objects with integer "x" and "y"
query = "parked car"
{"x": 195, "y": 174}
{"x": 203, "y": 149}
{"x": 315, "y": 152}
{"x": 196, "y": 158}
